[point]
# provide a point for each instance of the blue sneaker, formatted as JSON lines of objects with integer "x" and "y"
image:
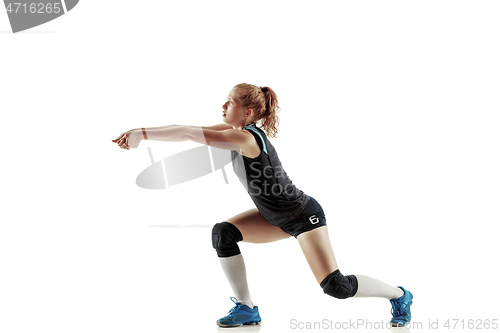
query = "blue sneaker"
{"x": 240, "y": 315}
{"x": 401, "y": 308}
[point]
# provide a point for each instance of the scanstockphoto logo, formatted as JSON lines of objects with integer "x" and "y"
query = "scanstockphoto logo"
{"x": 25, "y": 15}
{"x": 201, "y": 161}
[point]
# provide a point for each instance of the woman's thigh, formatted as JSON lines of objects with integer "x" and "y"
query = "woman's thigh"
{"x": 255, "y": 228}
{"x": 318, "y": 251}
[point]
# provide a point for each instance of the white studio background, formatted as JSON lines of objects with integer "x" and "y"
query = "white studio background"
{"x": 390, "y": 117}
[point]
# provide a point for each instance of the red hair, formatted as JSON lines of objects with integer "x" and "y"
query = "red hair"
{"x": 264, "y": 104}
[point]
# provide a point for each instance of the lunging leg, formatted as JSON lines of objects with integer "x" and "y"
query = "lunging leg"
{"x": 318, "y": 251}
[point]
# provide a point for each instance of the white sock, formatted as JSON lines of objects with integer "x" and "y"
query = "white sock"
{"x": 234, "y": 268}
{"x": 370, "y": 287}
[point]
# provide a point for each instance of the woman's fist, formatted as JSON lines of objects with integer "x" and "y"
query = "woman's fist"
{"x": 129, "y": 139}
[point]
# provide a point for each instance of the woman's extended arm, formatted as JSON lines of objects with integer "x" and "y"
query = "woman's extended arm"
{"x": 225, "y": 139}
{"x": 123, "y": 139}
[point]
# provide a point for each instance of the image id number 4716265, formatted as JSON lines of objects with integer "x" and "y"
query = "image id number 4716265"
{"x": 34, "y": 8}
{"x": 476, "y": 324}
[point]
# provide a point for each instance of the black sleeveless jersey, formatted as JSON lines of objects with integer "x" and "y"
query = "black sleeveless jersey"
{"x": 272, "y": 191}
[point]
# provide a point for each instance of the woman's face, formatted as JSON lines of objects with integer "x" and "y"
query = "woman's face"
{"x": 232, "y": 112}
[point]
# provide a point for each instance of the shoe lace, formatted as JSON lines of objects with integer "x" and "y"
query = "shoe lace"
{"x": 397, "y": 308}
{"x": 236, "y": 307}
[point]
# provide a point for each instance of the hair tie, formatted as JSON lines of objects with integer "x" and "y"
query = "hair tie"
{"x": 261, "y": 88}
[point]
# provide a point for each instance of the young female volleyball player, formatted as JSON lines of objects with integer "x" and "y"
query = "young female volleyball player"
{"x": 282, "y": 209}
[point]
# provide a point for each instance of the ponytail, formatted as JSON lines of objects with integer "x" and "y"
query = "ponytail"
{"x": 270, "y": 119}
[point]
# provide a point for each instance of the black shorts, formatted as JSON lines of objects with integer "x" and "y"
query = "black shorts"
{"x": 310, "y": 218}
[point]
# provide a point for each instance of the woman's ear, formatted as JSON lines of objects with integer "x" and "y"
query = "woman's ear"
{"x": 249, "y": 113}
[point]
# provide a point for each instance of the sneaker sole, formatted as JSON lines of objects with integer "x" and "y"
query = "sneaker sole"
{"x": 238, "y": 325}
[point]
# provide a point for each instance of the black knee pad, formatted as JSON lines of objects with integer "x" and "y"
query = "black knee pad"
{"x": 224, "y": 238}
{"x": 340, "y": 286}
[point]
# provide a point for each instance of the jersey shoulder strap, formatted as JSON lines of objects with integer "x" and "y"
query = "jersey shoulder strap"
{"x": 254, "y": 129}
